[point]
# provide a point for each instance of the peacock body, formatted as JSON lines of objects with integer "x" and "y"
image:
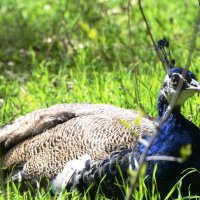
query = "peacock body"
{"x": 174, "y": 134}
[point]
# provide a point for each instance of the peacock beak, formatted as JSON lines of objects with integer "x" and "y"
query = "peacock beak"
{"x": 194, "y": 85}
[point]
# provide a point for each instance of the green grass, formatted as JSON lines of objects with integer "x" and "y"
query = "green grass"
{"x": 84, "y": 51}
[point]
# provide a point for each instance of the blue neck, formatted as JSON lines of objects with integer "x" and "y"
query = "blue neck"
{"x": 162, "y": 106}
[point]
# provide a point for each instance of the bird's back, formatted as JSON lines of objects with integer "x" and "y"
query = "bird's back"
{"x": 97, "y": 134}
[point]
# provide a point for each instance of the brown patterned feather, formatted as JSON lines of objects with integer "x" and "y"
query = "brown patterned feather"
{"x": 46, "y": 139}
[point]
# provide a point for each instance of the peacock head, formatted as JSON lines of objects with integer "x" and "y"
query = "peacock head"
{"x": 178, "y": 79}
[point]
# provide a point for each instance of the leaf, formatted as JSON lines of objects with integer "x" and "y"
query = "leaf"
{"x": 125, "y": 123}
{"x": 186, "y": 151}
{"x": 138, "y": 118}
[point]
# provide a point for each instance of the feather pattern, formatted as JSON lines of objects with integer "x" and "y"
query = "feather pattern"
{"x": 42, "y": 142}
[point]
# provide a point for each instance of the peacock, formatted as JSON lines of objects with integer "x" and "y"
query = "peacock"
{"x": 175, "y": 134}
{"x": 75, "y": 145}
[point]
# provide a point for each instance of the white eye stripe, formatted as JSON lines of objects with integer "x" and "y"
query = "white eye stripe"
{"x": 175, "y": 78}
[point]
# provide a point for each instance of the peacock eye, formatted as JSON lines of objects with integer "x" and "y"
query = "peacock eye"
{"x": 188, "y": 79}
{"x": 175, "y": 79}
